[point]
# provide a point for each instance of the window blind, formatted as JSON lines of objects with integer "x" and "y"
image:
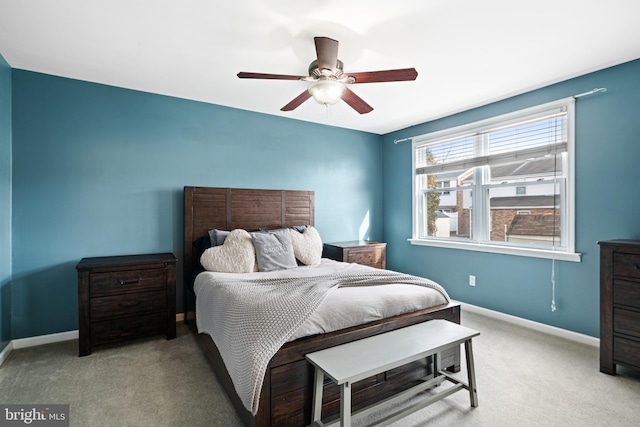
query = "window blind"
{"x": 531, "y": 137}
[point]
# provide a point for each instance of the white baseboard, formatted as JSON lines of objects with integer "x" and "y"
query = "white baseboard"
{"x": 552, "y": 330}
{"x": 541, "y": 327}
{"x": 35, "y": 341}
{"x": 5, "y": 352}
{"x": 44, "y": 339}
{"x": 48, "y": 339}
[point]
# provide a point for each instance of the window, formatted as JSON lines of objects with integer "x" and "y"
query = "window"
{"x": 444, "y": 184}
{"x": 491, "y": 172}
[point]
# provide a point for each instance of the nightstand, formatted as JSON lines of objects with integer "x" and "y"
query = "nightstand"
{"x": 362, "y": 252}
{"x": 123, "y": 297}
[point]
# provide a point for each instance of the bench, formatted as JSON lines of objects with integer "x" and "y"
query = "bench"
{"x": 347, "y": 363}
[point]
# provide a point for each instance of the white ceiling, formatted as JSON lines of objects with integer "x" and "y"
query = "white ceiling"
{"x": 467, "y": 52}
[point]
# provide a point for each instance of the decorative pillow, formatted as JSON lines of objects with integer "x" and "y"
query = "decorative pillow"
{"x": 235, "y": 255}
{"x": 307, "y": 246}
{"x": 274, "y": 250}
{"x": 217, "y": 236}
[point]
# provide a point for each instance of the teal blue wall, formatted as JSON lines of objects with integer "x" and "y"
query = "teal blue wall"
{"x": 5, "y": 203}
{"x": 99, "y": 170}
{"x": 607, "y": 207}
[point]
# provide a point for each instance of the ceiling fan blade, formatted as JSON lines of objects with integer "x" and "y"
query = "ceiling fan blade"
{"x": 356, "y": 102}
{"x": 245, "y": 75}
{"x": 327, "y": 52}
{"x": 399, "y": 75}
{"x": 295, "y": 103}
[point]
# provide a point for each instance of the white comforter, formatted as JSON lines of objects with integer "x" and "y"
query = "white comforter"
{"x": 351, "y": 306}
{"x": 249, "y": 316}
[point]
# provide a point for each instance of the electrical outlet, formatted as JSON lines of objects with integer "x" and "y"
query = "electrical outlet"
{"x": 472, "y": 280}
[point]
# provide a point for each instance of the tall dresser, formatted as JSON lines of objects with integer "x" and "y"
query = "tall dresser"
{"x": 619, "y": 304}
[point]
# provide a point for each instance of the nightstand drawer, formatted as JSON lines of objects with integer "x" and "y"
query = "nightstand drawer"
{"x": 626, "y": 322}
{"x": 626, "y": 351}
{"x": 109, "y": 331}
{"x": 626, "y": 265}
{"x": 127, "y": 304}
{"x": 367, "y": 256}
{"x": 127, "y": 281}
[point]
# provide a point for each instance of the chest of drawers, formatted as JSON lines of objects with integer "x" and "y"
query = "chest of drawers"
{"x": 619, "y": 305}
{"x": 123, "y": 297}
{"x": 365, "y": 252}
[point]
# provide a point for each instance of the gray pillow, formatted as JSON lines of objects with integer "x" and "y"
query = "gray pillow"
{"x": 217, "y": 237}
{"x": 274, "y": 250}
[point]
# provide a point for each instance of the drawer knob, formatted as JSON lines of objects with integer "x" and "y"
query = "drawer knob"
{"x": 636, "y": 266}
{"x": 130, "y": 282}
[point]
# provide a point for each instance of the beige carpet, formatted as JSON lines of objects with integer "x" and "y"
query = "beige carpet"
{"x": 153, "y": 382}
{"x": 525, "y": 378}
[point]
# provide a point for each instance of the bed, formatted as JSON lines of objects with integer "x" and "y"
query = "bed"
{"x": 286, "y": 390}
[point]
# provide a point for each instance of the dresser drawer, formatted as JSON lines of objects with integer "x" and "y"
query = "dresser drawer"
{"x": 367, "y": 256}
{"x": 127, "y": 281}
{"x": 108, "y": 331}
{"x": 127, "y": 304}
{"x": 626, "y": 351}
{"x": 626, "y": 293}
{"x": 626, "y": 322}
{"x": 626, "y": 265}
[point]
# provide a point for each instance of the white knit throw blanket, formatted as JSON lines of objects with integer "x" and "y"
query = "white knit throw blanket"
{"x": 253, "y": 318}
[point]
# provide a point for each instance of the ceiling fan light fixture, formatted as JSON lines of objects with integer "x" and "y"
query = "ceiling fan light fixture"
{"x": 327, "y": 91}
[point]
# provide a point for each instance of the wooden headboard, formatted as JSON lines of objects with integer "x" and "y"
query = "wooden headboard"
{"x": 209, "y": 208}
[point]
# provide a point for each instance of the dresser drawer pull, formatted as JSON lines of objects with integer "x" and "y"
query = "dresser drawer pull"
{"x": 636, "y": 266}
{"x": 121, "y": 305}
{"x": 130, "y": 282}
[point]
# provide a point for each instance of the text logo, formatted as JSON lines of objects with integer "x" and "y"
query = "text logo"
{"x": 34, "y": 415}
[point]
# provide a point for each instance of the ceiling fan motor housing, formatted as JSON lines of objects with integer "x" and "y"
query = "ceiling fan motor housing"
{"x": 315, "y": 72}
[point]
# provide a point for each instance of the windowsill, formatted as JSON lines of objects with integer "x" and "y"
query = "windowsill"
{"x": 528, "y": 252}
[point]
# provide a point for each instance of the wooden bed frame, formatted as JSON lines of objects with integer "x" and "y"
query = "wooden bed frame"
{"x": 287, "y": 391}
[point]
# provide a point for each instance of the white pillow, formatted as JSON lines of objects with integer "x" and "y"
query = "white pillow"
{"x": 307, "y": 246}
{"x": 235, "y": 255}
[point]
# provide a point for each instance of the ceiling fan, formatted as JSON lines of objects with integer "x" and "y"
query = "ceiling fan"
{"x": 328, "y": 81}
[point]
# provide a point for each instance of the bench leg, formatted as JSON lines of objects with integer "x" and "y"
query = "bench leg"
{"x": 345, "y": 405}
{"x": 316, "y": 410}
{"x": 437, "y": 364}
{"x": 473, "y": 393}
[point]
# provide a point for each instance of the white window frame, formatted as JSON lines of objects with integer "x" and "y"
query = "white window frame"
{"x": 568, "y": 226}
